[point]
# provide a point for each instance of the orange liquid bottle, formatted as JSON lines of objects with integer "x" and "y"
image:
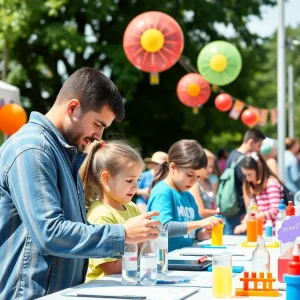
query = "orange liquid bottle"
{"x": 252, "y": 228}
{"x": 260, "y": 221}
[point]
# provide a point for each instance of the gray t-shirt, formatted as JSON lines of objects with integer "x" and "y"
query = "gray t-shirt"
{"x": 208, "y": 197}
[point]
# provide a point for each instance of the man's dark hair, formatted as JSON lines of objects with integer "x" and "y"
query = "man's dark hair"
{"x": 253, "y": 134}
{"x": 94, "y": 90}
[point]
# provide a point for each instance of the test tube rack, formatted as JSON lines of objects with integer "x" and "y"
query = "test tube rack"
{"x": 267, "y": 285}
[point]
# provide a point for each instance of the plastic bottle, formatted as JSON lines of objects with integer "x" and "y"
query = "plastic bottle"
{"x": 269, "y": 231}
{"x": 261, "y": 257}
{"x": 129, "y": 265}
{"x": 252, "y": 228}
{"x": 292, "y": 278}
{"x": 289, "y": 211}
{"x": 280, "y": 216}
{"x": 250, "y": 208}
{"x": 260, "y": 220}
{"x": 217, "y": 232}
{"x": 161, "y": 245}
{"x": 148, "y": 264}
{"x": 297, "y": 199}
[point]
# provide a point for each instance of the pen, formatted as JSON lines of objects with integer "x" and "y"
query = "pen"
{"x": 112, "y": 296}
{"x": 172, "y": 281}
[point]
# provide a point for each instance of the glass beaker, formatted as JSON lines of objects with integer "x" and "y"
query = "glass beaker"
{"x": 222, "y": 275}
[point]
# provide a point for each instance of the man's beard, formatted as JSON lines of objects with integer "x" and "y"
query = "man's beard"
{"x": 73, "y": 138}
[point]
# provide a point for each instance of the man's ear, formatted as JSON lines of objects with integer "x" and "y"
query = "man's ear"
{"x": 73, "y": 108}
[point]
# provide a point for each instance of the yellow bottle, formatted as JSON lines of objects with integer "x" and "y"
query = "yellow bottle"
{"x": 217, "y": 232}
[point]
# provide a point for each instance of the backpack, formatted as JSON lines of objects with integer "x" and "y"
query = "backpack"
{"x": 227, "y": 199}
{"x": 288, "y": 195}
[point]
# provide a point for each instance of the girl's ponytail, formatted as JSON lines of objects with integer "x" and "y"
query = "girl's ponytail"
{"x": 162, "y": 173}
{"x": 90, "y": 183}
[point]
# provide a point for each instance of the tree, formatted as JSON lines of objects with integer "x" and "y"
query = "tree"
{"x": 42, "y": 35}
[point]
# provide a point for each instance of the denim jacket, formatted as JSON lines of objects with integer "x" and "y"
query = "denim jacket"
{"x": 45, "y": 239}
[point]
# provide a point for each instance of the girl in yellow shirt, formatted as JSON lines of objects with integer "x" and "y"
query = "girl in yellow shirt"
{"x": 109, "y": 174}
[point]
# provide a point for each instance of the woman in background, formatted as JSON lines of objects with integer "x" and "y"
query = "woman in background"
{"x": 147, "y": 177}
{"x": 291, "y": 165}
{"x": 203, "y": 191}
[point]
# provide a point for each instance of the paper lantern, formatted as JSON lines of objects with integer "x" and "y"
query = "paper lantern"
{"x": 193, "y": 90}
{"x": 12, "y": 118}
{"x": 153, "y": 42}
{"x": 219, "y": 63}
{"x": 223, "y": 102}
{"x": 250, "y": 117}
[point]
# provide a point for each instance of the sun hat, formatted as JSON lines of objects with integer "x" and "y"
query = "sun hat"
{"x": 158, "y": 157}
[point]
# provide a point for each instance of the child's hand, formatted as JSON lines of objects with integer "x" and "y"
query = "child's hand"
{"x": 142, "y": 228}
{"x": 210, "y": 222}
{"x": 240, "y": 228}
{"x": 204, "y": 234}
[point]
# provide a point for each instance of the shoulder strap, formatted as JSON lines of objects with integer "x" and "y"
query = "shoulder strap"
{"x": 237, "y": 161}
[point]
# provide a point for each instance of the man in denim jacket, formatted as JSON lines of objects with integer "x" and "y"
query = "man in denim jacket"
{"x": 45, "y": 239}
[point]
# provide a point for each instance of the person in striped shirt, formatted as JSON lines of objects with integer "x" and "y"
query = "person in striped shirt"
{"x": 261, "y": 184}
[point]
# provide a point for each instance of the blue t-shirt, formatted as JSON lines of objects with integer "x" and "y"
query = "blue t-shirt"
{"x": 174, "y": 206}
{"x": 145, "y": 181}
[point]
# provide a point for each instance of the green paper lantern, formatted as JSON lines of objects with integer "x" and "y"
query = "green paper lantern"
{"x": 219, "y": 63}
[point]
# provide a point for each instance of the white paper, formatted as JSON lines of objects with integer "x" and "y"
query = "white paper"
{"x": 152, "y": 292}
{"x": 237, "y": 254}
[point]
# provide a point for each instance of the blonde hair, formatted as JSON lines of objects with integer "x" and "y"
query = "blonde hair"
{"x": 290, "y": 142}
{"x": 111, "y": 156}
{"x": 209, "y": 154}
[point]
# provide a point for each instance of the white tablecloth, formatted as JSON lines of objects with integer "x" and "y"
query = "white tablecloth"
{"x": 233, "y": 243}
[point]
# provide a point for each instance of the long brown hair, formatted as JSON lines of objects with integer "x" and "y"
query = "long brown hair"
{"x": 254, "y": 161}
{"x": 111, "y": 156}
{"x": 184, "y": 154}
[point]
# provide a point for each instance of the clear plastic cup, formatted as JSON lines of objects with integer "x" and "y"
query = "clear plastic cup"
{"x": 222, "y": 275}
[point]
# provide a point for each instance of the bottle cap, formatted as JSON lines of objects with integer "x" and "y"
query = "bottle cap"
{"x": 260, "y": 240}
{"x": 290, "y": 209}
{"x": 282, "y": 206}
{"x": 218, "y": 213}
{"x": 294, "y": 264}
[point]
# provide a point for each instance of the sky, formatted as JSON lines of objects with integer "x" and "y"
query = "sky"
{"x": 268, "y": 24}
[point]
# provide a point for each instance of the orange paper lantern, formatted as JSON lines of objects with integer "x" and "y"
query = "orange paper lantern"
{"x": 153, "y": 42}
{"x": 193, "y": 90}
{"x": 223, "y": 102}
{"x": 250, "y": 117}
{"x": 12, "y": 118}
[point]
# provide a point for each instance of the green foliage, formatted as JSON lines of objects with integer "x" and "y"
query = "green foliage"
{"x": 44, "y": 34}
{"x": 265, "y": 81}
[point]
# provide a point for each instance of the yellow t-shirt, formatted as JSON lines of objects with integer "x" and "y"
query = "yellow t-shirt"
{"x": 99, "y": 214}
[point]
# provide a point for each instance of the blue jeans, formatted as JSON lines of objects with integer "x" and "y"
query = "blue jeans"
{"x": 232, "y": 222}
